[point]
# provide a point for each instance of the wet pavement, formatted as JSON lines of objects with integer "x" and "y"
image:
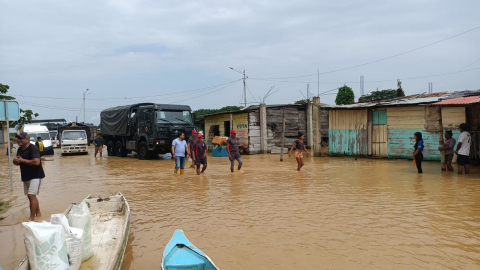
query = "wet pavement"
{"x": 337, "y": 213}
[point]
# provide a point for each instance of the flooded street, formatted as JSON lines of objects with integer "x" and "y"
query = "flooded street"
{"x": 337, "y": 213}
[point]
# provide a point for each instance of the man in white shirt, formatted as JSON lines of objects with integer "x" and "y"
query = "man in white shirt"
{"x": 463, "y": 149}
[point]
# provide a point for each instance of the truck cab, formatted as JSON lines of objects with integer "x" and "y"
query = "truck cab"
{"x": 74, "y": 142}
{"x": 148, "y": 129}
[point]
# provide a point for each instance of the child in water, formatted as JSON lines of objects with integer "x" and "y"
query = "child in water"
{"x": 299, "y": 147}
{"x": 418, "y": 149}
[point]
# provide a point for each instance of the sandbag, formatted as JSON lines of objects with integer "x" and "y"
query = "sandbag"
{"x": 217, "y": 140}
{"x": 81, "y": 218}
{"x": 74, "y": 240}
{"x": 45, "y": 245}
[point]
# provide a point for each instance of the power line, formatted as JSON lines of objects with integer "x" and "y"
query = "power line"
{"x": 176, "y": 93}
{"x": 208, "y": 92}
{"x": 53, "y": 107}
{"x": 138, "y": 97}
{"x": 386, "y": 80}
{"x": 378, "y": 60}
{"x": 251, "y": 93}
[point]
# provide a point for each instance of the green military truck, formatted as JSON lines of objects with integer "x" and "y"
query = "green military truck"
{"x": 146, "y": 128}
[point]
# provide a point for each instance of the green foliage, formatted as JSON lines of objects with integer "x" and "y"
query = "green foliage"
{"x": 384, "y": 94}
{"x": 381, "y": 94}
{"x": 201, "y": 113}
{"x": 3, "y": 90}
{"x": 26, "y": 116}
{"x": 345, "y": 96}
{"x": 303, "y": 101}
{"x": 3, "y": 208}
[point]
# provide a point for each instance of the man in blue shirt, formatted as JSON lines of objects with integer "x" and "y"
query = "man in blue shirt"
{"x": 179, "y": 148}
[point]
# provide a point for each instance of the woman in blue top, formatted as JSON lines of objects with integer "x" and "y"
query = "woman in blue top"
{"x": 417, "y": 153}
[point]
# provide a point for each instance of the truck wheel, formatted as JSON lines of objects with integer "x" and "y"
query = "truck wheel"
{"x": 120, "y": 149}
{"x": 143, "y": 152}
{"x": 111, "y": 149}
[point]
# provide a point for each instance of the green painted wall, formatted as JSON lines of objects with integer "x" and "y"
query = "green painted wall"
{"x": 347, "y": 142}
{"x": 401, "y": 142}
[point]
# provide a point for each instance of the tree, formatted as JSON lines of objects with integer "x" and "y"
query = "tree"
{"x": 3, "y": 90}
{"x": 201, "y": 113}
{"x": 26, "y": 116}
{"x": 400, "y": 92}
{"x": 345, "y": 96}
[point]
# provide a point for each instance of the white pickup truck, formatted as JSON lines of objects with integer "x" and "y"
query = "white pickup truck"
{"x": 74, "y": 142}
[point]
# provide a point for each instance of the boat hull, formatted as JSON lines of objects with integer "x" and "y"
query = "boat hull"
{"x": 181, "y": 254}
{"x": 110, "y": 229}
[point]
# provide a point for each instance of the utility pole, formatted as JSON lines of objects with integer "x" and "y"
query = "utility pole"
{"x": 244, "y": 90}
{"x": 84, "y": 94}
{"x": 318, "y": 82}
{"x": 362, "y": 89}
{"x": 244, "y": 86}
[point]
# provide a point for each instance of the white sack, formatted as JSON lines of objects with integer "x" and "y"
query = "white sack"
{"x": 45, "y": 245}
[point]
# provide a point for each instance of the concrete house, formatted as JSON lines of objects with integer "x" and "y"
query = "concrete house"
{"x": 385, "y": 128}
{"x": 247, "y": 122}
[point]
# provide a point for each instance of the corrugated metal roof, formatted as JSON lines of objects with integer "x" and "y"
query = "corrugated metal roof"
{"x": 459, "y": 101}
{"x": 407, "y": 100}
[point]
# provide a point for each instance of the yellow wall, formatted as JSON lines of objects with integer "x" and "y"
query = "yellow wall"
{"x": 406, "y": 117}
{"x": 348, "y": 119}
{"x": 240, "y": 124}
{"x": 452, "y": 117}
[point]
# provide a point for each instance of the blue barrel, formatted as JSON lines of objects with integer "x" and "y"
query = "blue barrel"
{"x": 220, "y": 151}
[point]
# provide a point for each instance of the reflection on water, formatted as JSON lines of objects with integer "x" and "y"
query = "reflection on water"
{"x": 337, "y": 213}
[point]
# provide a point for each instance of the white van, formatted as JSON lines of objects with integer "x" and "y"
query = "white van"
{"x": 74, "y": 141}
{"x": 54, "y": 137}
{"x": 37, "y": 130}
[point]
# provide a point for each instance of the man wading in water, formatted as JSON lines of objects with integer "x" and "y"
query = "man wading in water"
{"x": 28, "y": 158}
{"x": 179, "y": 148}
{"x": 233, "y": 153}
{"x": 199, "y": 154}
{"x": 191, "y": 141}
{"x": 299, "y": 146}
{"x": 463, "y": 149}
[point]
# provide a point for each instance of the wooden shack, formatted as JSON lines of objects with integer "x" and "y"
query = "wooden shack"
{"x": 386, "y": 128}
{"x": 247, "y": 124}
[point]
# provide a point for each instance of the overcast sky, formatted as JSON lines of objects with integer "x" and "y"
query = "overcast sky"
{"x": 155, "y": 51}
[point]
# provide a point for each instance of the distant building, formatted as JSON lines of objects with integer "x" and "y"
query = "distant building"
{"x": 385, "y": 128}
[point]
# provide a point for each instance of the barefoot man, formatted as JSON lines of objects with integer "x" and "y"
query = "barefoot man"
{"x": 28, "y": 158}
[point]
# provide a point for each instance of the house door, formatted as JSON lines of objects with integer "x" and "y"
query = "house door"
{"x": 379, "y": 134}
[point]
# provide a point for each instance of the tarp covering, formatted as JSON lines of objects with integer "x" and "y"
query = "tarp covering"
{"x": 114, "y": 121}
{"x": 217, "y": 140}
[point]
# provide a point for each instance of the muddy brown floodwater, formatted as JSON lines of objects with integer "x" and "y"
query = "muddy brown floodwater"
{"x": 337, "y": 213}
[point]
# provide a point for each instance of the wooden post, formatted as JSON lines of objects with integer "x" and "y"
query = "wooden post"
{"x": 283, "y": 137}
{"x": 231, "y": 123}
{"x": 309, "y": 125}
{"x": 317, "y": 126}
{"x": 440, "y": 134}
{"x": 369, "y": 132}
{"x": 263, "y": 129}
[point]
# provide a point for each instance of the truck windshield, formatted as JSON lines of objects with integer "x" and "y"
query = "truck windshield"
{"x": 174, "y": 117}
{"x": 74, "y": 135}
{"x": 44, "y": 136}
{"x": 53, "y": 135}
